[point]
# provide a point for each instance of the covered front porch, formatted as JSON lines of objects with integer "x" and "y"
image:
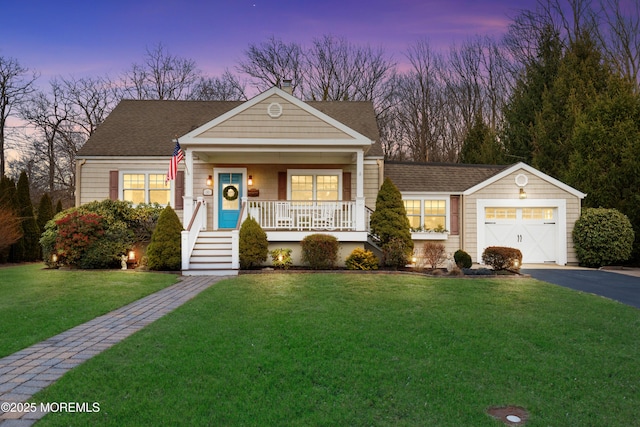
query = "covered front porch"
{"x": 292, "y": 167}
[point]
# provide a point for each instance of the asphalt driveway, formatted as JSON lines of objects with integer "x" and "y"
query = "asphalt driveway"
{"x": 614, "y": 285}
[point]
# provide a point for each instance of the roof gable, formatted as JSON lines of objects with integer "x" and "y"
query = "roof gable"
{"x": 274, "y": 114}
{"x": 532, "y": 171}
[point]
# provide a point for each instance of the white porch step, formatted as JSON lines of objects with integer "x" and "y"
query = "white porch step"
{"x": 211, "y": 255}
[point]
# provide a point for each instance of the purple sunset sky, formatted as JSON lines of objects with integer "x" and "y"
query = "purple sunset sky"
{"x": 98, "y": 37}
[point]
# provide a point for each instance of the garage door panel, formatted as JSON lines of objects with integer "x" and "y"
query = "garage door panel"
{"x": 531, "y": 230}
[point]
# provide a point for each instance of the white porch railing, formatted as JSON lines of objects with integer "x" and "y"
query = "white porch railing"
{"x": 303, "y": 215}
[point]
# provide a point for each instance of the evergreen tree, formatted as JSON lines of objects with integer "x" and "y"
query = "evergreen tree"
{"x": 390, "y": 223}
{"x": 582, "y": 76}
{"x": 59, "y": 206}
{"x": 164, "y": 251}
{"x": 8, "y": 201}
{"x": 525, "y": 102}
{"x": 28, "y": 247}
{"x": 44, "y": 214}
{"x": 45, "y": 211}
{"x": 481, "y": 146}
{"x": 8, "y": 193}
{"x": 253, "y": 244}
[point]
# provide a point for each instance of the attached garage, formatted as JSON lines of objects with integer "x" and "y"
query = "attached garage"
{"x": 526, "y": 209}
{"x": 487, "y": 205}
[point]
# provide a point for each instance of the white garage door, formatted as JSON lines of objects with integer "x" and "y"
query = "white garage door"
{"x": 532, "y": 230}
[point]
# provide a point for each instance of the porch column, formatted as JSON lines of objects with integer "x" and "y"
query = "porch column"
{"x": 360, "y": 209}
{"x": 188, "y": 187}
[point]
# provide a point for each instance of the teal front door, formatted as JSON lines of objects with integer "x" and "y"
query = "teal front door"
{"x": 229, "y": 199}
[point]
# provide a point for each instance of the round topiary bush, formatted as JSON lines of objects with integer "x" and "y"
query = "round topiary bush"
{"x": 320, "y": 251}
{"x": 602, "y": 236}
{"x": 502, "y": 258}
{"x": 462, "y": 259}
{"x": 361, "y": 259}
{"x": 164, "y": 251}
{"x": 253, "y": 245}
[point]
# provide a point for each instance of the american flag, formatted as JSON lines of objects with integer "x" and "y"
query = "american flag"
{"x": 175, "y": 159}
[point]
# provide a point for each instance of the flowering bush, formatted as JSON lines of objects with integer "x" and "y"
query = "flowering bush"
{"x": 76, "y": 233}
{"x": 97, "y": 234}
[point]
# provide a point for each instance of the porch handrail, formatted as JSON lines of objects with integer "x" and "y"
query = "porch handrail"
{"x": 190, "y": 235}
{"x": 195, "y": 214}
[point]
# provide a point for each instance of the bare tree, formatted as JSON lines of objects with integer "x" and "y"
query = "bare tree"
{"x": 91, "y": 100}
{"x": 16, "y": 83}
{"x": 341, "y": 71}
{"x": 225, "y": 88}
{"x": 420, "y": 104}
{"x": 48, "y": 114}
{"x": 620, "y": 37}
{"x": 161, "y": 76}
{"x": 273, "y": 61}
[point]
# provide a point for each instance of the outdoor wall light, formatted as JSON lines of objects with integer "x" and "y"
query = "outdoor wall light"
{"x": 209, "y": 180}
{"x": 523, "y": 194}
{"x": 250, "y": 180}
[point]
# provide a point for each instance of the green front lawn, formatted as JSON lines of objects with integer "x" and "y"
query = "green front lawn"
{"x": 396, "y": 350}
{"x": 36, "y": 303}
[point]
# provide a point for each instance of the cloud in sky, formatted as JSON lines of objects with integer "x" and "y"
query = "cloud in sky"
{"x": 105, "y": 37}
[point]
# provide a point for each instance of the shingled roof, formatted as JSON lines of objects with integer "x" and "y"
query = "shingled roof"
{"x": 147, "y": 127}
{"x": 438, "y": 177}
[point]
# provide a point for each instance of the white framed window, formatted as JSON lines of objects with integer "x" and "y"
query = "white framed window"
{"x": 427, "y": 213}
{"x": 145, "y": 187}
{"x": 314, "y": 184}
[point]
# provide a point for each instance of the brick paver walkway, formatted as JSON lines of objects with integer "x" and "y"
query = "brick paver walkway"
{"x": 28, "y": 371}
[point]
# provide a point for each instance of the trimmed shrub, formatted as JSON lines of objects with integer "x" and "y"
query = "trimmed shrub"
{"x": 434, "y": 254}
{"x": 602, "y": 236}
{"x": 462, "y": 259}
{"x": 389, "y": 222}
{"x": 253, "y": 245}
{"x": 320, "y": 251}
{"x": 164, "y": 251}
{"x": 361, "y": 259}
{"x": 395, "y": 253}
{"x": 502, "y": 258}
{"x": 281, "y": 258}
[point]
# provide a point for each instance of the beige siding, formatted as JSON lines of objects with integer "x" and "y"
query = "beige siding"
{"x": 371, "y": 184}
{"x": 451, "y": 245}
{"x": 294, "y": 123}
{"x": 506, "y": 188}
{"x": 94, "y": 176}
